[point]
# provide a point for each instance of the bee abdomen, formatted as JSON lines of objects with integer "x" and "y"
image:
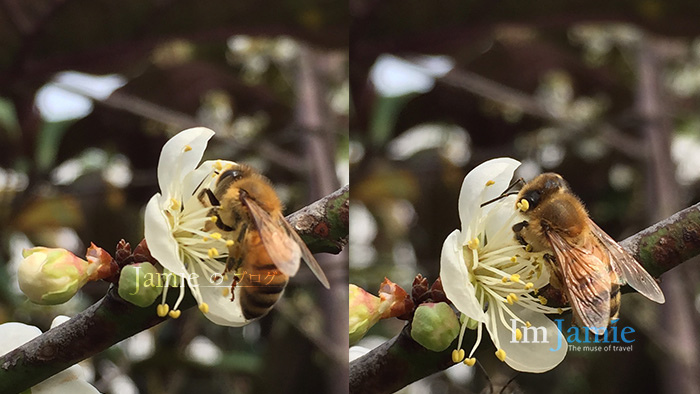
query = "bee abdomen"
{"x": 261, "y": 290}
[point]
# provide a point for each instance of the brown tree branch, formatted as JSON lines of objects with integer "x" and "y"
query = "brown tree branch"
{"x": 401, "y": 361}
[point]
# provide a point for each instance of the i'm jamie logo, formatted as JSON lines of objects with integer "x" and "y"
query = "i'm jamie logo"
{"x": 616, "y": 339}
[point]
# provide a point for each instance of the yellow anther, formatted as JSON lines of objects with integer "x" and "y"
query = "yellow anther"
{"x": 529, "y": 285}
{"x": 501, "y": 354}
{"x": 174, "y": 313}
{"x": 560, "y": 311}
{"x": 174, "y": 204}
{"x": 162, "y": 310}
{"x": 515, "y": 278}
{"x": 528, "y": 248}
{"x": 229, "y": 242}
{"x": 536, "y": 291}
{"x": 205, "y": 239}
{"x": 513, "y": 298}
{"x": 543, "y": 300}
{"x": 457, "y": 355}
{"x": 216, "y": 235}
{"x": 470, "y": 361}
{"x": 473, "y": 243}
{"x": 523, "y": 205}
{"x": 218, "y": 165}
{"x": 188, "y": 148}
{"x": 504, "y": 279}
{"x": 489, "y": 183}
{"x": 528, "y": 324}
{"x": 225, "y": 292}
{"x": 518, "y": 334}
{"x": 212, "y": 253}
{"x": 204, "y": 307}
{"x": 514, "y": 259}
{"x": 213, "y": 218}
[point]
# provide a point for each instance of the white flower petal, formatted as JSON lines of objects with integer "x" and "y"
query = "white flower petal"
{"x": 533, "y": 357}
{"x": 58, "y": 320}
{"x": 59, "y": 384}
{"x": 161, "y": 243}
{"x": 499, "y": 222}
{"x": 68, "y": 381}
{"x": 15, "y": 334}
{"x": 179, "y": 156}
{"x": 456, "y": 279}
{"x": 474, "y": 191}
{"x": 222, "y": 310}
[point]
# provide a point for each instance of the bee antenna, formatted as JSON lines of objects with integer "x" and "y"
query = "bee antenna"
{"x": 506, "y": 193}
{"x": 212, "y": 198}
{"x": 502, "y": 196}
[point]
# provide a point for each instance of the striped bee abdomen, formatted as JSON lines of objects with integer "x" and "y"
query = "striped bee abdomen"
{"x": 261, "y": 283}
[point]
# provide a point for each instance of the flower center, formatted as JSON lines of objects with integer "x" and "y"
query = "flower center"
{"x": 200, "y": 246}
{"x": 504, "y": 273}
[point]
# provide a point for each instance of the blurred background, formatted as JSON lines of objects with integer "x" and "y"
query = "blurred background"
{"x": 604, "y": 93}
{"x": 89, "y": 93}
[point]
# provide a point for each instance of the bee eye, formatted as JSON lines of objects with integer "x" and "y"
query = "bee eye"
{"x": 533, "y": 197}
{"x": 234, "y": 174}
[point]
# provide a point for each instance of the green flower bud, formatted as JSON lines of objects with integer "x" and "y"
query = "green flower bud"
{"x": 140, "y": 284}
{"x": 471, "y": 323}
{"x": 434, "y": 326}
{"x": 51, "y": 276}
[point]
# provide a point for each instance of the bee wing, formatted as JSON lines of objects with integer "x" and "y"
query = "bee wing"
{"x": 283, "y": 244}
{"x": 306, "y": 253}
{"x": 282, "y": 249}
{"x": 627, "y": 268}
{"x": 587, "y": 282}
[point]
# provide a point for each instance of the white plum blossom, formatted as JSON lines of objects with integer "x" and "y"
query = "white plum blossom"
{"x": 68, "y": 381}
{"x": 493, "y": 280}
{"x": 175, "y": 231}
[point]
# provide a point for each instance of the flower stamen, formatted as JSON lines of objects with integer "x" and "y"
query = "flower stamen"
{"x": 523, "y": 205}
{"x": 501, "y": 354}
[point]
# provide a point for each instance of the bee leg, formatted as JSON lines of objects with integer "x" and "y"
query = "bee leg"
{"x": 236, "y": 279}
{"x": 212, "y": 198}
{"x": 220, "y": 224}
{"x": 517, "y": 228}
{"x": 556, "y": 277}
{"x": 232, "y": 263}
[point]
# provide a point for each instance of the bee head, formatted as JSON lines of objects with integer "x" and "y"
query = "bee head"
{"x": 240, "y": 181}
{"x": 541, "y": 188}
{"x": 232, "y": 174}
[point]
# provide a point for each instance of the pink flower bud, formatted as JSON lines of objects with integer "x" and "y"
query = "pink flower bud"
{"x": 364, "y": 312}
{"x": 51, "y": 276}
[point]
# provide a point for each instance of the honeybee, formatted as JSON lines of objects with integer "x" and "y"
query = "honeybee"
{"x": 249, "y": 212}
{"x": 588, "y": 266}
